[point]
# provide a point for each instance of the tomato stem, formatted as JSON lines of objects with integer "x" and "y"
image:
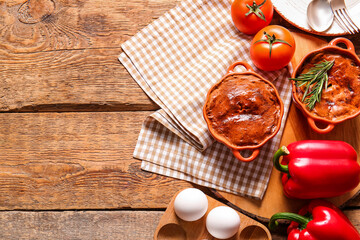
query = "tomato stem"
{"x": 254, "y": 8}
{"x": 271, "y": 40}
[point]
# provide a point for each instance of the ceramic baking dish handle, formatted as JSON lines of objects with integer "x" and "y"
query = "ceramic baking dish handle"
{"x": 244, "y": 64}
{"x": 349, "y": 45}
{"x": 238, "y": 155}
{"x": 313, "y": 125}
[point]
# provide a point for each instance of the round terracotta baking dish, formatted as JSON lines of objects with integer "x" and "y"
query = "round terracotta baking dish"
{"x": 237, "y": 83}
{"x": 314, "y": 120}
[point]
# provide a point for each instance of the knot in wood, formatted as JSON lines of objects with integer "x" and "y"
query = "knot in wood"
{"x": 34, "y": 11}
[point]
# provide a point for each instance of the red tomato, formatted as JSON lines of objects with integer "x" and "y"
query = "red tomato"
{"x": 249, "y": 16}
{"x": 272, "y": 48}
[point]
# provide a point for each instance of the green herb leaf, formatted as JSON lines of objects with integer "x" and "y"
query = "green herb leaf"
{"x": 315, "y": 80}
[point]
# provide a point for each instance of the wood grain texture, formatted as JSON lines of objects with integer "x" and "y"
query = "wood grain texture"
{"x": 75, "y": 225}
{"x": 73, "y": 80}
{"x": 53, "y": 25}
{"x": 61, "y": 55}
{"x": 94, "y": 225}
{"x": 76, "y": 161}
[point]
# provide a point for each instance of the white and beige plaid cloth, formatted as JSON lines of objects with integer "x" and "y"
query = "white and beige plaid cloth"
{"x": 175, "y": 60}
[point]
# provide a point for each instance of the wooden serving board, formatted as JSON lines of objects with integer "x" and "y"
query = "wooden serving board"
{"x": 171, "y": 227}
{"x": 296, "y": 129}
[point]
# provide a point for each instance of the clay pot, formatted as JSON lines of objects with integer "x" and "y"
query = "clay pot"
{"x": 315, "y": 120}
{"x": 243, "y": 111}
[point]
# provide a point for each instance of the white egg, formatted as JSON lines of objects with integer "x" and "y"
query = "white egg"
{"x": 190, "y": 204}
{"x": 222, "y": 222}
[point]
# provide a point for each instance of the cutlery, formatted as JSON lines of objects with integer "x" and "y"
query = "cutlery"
{"x": 319, "y": 15}
{"x": 342, "y": 16}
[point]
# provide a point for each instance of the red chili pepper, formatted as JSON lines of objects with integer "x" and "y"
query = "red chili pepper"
{"x": 319, "y": 220}
{"x": 317, "y": 168}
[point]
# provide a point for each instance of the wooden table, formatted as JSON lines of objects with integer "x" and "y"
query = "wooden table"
{"x": 70, "y": 117}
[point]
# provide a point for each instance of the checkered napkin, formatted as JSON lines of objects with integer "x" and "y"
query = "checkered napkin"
{"x": 175, "y": 60}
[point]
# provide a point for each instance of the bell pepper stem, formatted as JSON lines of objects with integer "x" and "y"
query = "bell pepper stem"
{"x": 281, "y": 152}
{"x": 301, "y": 220}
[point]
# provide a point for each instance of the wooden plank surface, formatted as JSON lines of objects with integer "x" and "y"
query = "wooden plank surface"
{"x": 59, "y": 57}
{"x": 60, "y": 25}
{"x": 76, "y": 161}
{"x": 71, "y": 80}
{"x": 65, "y": 56}
{"x": 71, "y": 225}
{"x": 74, "y": 225}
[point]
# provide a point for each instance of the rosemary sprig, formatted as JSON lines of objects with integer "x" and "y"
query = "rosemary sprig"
{"x": 315, "y": 80}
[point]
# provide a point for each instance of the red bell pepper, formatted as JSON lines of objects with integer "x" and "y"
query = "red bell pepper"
{"x": 319, "y": 220}
{"x": 317, "y": 168}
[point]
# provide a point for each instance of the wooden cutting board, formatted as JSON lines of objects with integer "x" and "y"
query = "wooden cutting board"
{"x": 171, "y": 227}
{"x": 296, "y": 128}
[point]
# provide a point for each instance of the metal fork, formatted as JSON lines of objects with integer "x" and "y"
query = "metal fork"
{"x": 342, "y": 16}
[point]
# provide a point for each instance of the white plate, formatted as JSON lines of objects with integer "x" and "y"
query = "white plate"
{"x": 294, "y": 11}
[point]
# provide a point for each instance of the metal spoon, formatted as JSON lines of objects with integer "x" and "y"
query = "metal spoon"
{"x": 319, "y": 15}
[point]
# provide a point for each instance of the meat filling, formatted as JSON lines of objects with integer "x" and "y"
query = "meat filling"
{"x": 243, "y": 109}
{"x": 341, "y": 99}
